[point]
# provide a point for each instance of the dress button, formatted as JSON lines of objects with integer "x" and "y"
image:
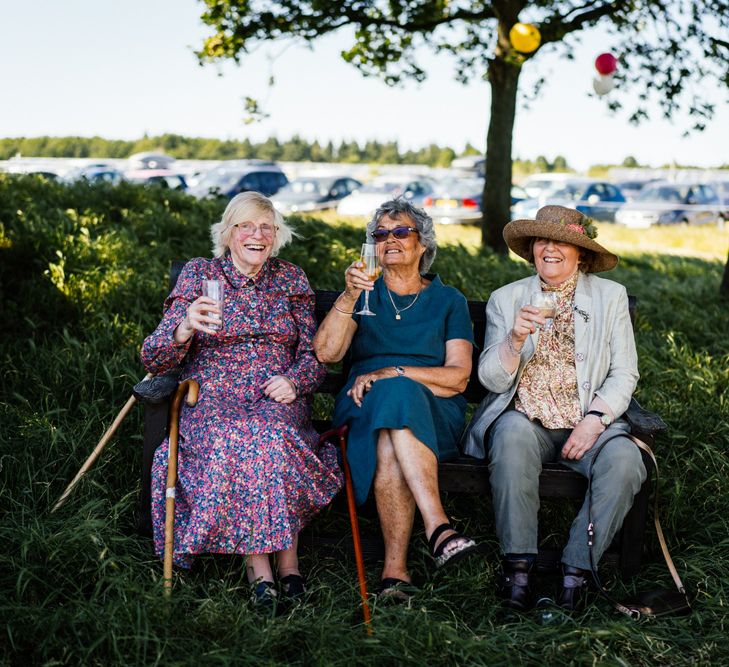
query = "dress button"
{"x": 579, "y": 356}
{"x": 585, "y": 385}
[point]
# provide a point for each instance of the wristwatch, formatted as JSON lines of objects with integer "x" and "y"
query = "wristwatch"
{"x": 400, "y": 371}
{"x": 604, "y": 417}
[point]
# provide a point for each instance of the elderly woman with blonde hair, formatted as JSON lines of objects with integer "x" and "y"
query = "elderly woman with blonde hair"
{"x": 250, "y": 473}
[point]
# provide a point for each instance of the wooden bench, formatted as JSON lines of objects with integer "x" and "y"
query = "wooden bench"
{"x": 464, "y": 475}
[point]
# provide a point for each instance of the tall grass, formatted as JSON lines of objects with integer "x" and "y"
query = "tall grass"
{"x": 83, "y": 272}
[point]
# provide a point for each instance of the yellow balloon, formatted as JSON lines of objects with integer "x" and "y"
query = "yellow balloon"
{"x": 525, "y": 37}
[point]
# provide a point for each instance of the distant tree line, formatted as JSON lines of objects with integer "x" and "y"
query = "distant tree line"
{"x": 294, "y": 149}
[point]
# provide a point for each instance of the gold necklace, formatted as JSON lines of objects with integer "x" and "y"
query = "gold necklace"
{"x": 410, "y": 305}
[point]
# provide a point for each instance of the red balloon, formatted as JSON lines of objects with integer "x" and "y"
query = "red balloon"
{"x": 606, "y": 63}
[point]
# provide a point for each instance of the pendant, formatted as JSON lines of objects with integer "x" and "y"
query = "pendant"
{"x": 397, "y": 316}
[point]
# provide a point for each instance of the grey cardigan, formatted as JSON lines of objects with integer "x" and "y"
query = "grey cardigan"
{"x": 605, "y": 355}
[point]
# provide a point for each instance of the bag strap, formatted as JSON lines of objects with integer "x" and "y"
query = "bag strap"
{"x": 656, "y": 520}
{"x": 633, "y": 612}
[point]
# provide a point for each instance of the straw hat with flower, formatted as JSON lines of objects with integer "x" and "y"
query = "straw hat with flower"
{"x": 559, "y": 223}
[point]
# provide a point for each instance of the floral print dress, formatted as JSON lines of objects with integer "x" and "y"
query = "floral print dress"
{"x": 250, "y": 475}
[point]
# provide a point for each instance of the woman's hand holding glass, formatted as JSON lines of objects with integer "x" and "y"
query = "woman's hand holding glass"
{"x": 357, "y": 279}
{"x": 201, "y": 313}
{"x": 370, "y": 262}
{"x": 526, "y": 322}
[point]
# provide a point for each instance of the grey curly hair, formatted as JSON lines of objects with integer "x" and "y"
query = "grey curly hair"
{"x": 395, "y": 208}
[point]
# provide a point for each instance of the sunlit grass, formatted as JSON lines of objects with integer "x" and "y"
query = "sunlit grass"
{"x": 80, "y": 587}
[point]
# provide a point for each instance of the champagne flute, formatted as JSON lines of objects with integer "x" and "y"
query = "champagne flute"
{"x": 547, "y": 304}
{"x": 371, "y": 261}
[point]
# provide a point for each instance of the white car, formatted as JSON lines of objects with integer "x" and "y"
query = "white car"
{"x": 536, "y": 184}
{"x": 366, "y": 200}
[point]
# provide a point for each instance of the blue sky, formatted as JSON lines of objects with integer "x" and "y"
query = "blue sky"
{"x": 120, "y": 69}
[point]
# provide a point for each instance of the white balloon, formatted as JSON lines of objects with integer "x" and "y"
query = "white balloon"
{"x": 603, "y": 84}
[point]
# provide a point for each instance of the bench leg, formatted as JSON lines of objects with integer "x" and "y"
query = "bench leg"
{"x": 354, "y": 522}
{"x": 155, "y": 431}
{"x": 633, "y": 531}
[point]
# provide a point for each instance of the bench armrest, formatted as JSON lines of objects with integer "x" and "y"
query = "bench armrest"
{"x": 643, "y": 422}
{"x": 158, "y": 388}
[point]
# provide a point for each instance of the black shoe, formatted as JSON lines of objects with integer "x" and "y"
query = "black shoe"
{"x": 293, "y": 586}
{"x": 265, "y": 598}
{"x": 516, "y": 587}
{"x": 574, "y": 586}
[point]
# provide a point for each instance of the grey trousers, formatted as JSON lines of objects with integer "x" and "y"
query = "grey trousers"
{"x": 518, "y": 447}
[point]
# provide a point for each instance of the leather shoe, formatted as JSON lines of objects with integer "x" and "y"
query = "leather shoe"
{"x": 574, "y": 586}
{"x": 516, "y": 587}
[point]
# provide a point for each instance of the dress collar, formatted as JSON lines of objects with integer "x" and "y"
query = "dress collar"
{"x": 239, "y": 280}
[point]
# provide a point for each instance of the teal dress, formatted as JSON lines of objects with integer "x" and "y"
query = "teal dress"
{"x": 417, "y": 339}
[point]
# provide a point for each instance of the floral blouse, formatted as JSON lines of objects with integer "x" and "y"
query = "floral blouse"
{"x": 547, "y": 389}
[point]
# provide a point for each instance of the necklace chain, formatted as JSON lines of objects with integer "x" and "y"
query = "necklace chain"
{"x": 401, "y": 310}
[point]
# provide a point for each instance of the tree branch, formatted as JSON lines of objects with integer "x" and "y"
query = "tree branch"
{"x": 555, "y": 27}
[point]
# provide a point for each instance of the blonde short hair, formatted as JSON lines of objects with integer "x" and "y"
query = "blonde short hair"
{"x": 245, "y": 207}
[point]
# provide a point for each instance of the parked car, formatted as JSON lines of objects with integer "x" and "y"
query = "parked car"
{"x": 536, "y": 184}
{"x": 370, "y": 196}
{"x": 232, "y": 177}
{"x": 596, "y": 199}
{"x": 314, "y": 193}
{"x": 150, "y": 160}
{"x": 631, "y": 188}
{"x": 664, "y": 203}
{"x": 722, "y": 189}
{"x": 95, "y": 173}
{"x": 164, "y": 178}
{"x": 470, "y": 164}
{"x": 460, "y": 200}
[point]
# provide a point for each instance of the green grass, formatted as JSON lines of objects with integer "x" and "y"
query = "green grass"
{"x": 83, "y": 273}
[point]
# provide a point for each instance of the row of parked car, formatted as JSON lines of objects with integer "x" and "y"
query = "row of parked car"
{"x": 632, "y": 203}
{"x": 448, "y": 200}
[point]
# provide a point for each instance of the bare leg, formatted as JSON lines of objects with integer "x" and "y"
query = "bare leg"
{"x": 396, "y": 508}
{"x": 288, "y": 560}
{"x": 258, "y": 568}
{"x": 419, "y": 467}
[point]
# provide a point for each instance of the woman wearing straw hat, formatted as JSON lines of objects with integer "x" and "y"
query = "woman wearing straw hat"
{"x": 557, "y": 389}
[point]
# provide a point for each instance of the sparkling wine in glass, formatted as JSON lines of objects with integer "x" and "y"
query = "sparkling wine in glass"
{"x": 547, "y": 304}
{"x": 371, "y": 261}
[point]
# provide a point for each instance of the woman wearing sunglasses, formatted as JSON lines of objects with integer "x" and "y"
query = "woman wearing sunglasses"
{"x": 402, "y": 399}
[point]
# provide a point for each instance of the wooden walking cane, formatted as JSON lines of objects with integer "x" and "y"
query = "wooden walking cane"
{"x": 191, "y": 387}
{"x": 98, "y": 449}
{"x": 359, "y": 560}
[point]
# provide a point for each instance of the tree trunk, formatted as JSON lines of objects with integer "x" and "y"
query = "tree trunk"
{"x": 504, "y": 79}
{"x": 724, "y": 287}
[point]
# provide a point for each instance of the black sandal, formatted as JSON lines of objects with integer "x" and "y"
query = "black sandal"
{"x": 441, "y": 558}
